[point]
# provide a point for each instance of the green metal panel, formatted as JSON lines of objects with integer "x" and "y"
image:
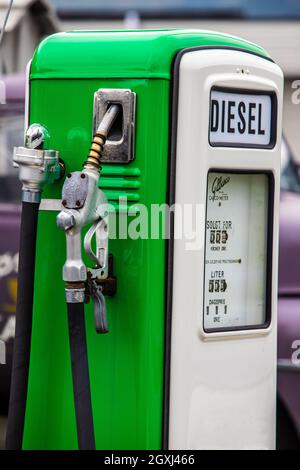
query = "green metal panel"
{"x": 126, "y": 365}
{"x": 119, "y": 54}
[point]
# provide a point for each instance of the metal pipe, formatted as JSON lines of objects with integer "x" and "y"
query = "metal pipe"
{"x": 5, "y": 21}
{"x": 100, "y": 137}
{"x": 108, "y": 119}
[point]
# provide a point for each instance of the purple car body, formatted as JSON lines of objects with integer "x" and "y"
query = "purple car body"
{"x": 9, "y": 240}
{"x": 11, "y": 133}
{"x": 289, "y": 306}
{"x": 289, "y": 258}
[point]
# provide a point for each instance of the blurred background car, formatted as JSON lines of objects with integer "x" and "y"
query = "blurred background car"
{"x": 289, "y": 303}
{"x": 274, "y": 24}
{"x": 11, "y": 134}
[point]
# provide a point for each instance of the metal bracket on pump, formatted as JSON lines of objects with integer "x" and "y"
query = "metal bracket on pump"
{"x": 37, "y": 166}
{"x": 86, "y": 204}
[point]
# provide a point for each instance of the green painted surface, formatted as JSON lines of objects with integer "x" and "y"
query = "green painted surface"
{"x": 126, "y": 366}
{"x": 119, "y": 54}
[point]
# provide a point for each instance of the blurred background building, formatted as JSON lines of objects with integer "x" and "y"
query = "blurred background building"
{"x": 28, "y": 22}
{"x": 274, "y": 24}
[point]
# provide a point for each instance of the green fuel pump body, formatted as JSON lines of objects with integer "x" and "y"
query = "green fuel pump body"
{"x": 126, "y": 366}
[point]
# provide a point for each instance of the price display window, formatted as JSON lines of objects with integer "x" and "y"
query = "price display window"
{"x": 238, "y": 241}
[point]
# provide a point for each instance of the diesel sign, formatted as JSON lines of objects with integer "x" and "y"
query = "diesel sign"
{"x": 240, "y": 119}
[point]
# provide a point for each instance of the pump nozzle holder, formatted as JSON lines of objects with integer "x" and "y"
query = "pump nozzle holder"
{"x": 37, "y": 166}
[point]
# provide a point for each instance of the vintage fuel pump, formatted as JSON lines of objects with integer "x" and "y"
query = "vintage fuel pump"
{"x": 180, "y": 118}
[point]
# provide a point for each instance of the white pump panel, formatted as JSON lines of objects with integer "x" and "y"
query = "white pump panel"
{"x": 224, "y": 306}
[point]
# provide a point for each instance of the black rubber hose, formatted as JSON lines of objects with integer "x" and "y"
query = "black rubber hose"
{"x": 21, "y": 353}
{"x": 81, "y": 379}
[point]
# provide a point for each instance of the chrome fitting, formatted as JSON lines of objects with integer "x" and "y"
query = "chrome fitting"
{"x": 75, "y": 296}
{"x": 37, "y": 167}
